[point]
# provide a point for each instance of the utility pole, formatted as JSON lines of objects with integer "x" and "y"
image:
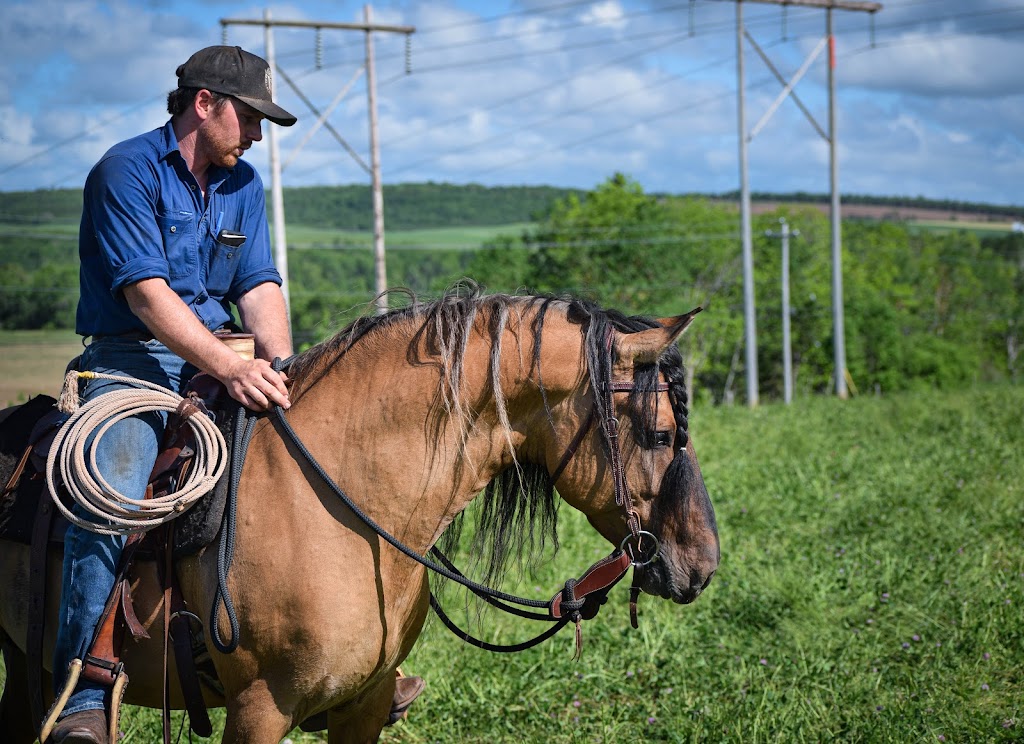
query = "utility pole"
{"x": 276, "y": 190}
{"x": 368, "y": 27}
{"x": 787, "y": 346}
{"x": 839, "y": 336}
{"x": 749, "y": 314}
{"x": 379, "y": 267}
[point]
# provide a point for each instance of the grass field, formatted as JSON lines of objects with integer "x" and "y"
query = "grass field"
{"x": 455, "y": 238}
{"x": 871, "y": 589}
{"x": 33, "y": 362}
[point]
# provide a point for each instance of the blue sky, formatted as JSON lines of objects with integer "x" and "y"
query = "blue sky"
{"x": 930, "y": 102}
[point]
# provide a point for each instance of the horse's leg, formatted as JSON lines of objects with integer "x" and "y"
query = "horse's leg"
{"x": 15, "y": 710}
{"x": 362, "y": 723}
{"x": 253, "y": 718}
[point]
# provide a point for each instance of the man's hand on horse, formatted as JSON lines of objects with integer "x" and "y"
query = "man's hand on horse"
{"x": 256, "y": 385}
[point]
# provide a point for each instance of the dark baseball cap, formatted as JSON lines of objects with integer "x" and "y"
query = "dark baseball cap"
{"x": 235, "y": 72}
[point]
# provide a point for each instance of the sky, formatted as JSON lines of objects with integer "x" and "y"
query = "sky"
{"x": 930, "y": 97}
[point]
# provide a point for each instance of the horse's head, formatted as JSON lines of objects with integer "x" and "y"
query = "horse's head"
{"x": 637, "y": 387}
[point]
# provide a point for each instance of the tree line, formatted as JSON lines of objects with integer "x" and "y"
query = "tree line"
{"x": 922, "y": 308}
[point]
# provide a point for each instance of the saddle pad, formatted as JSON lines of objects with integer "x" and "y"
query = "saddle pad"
{"x": 17, "y": 509}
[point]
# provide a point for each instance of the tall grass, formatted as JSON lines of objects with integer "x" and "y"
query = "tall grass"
{"x": 871, "y": 589}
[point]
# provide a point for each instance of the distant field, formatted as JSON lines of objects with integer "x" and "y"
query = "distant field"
{"x": 983, "y": 229}
{"x": 456, "y": 238}
{"x": 33, "y": 362}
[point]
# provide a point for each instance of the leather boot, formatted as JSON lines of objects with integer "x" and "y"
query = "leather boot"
{"x": 84, "y": 727}
{"x": 407, "y": 689}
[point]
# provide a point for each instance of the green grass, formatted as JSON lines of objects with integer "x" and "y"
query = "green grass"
{"x": 33, "y": 362}
{"x": 870, "y": 590}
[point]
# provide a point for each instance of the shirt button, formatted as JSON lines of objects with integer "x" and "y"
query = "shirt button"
{"x": 174, "y": 229}
{"x": 201, "y": 298}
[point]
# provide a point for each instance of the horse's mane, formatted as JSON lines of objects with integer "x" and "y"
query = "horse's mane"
{"x": 518, "y": 516}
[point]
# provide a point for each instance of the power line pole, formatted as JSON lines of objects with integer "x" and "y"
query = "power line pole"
{"x": 379, "y": 267}
{"x": 787, "y": 346}
{"x": 839, "y": 336}
{"x": 368, "y": 27}
{"x": 749, "y": 314}
{"x": 276, "y": 191}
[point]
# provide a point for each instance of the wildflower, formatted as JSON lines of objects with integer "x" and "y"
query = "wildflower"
{"x": 576, "y": 703}
{"x": 629, "y": 673}
{"x": 941, "y": 737}
{"x": 764, "y": 662}
{"x": 986, "y": 656}
{"x": 906, "y": 645}
{"x": 879, "y": 707}
{"x": 984, "y": 685}
{"x": 916, "y": 638}
{"x": 651, "y": 719}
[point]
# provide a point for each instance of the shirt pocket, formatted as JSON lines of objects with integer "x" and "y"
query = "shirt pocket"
{"x": 224, "y": 261}
{"x": 179, "y": 241}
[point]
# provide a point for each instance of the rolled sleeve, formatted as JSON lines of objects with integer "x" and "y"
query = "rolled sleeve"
{"x": 121, "y": 198}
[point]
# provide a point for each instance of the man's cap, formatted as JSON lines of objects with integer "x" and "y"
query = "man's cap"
{"x": 235, "y": 72}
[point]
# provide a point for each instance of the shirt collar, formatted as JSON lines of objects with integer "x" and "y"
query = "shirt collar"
{"x": 215, "y": 175}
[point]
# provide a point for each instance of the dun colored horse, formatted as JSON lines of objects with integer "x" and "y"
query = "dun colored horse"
{"x": 415, "y": 413}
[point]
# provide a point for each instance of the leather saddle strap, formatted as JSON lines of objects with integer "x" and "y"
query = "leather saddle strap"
{"x": 12, "y": 482}
{"x": 178, "y": 633}
{"x": 37, "y": 605}
{"x": 102, "y": 663}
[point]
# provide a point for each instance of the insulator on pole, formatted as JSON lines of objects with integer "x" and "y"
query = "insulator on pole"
{"x": 785, "y": 20}
{"x": 693, "y": 4}
{"x": 224, "y": 34}
{"x": 871, "y": 15}
{"x": 319, "y": 49}
{"x": 408, "y": 54}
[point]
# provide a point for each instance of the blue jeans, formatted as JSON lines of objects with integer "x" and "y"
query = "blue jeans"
{"x": 125, "y": 457}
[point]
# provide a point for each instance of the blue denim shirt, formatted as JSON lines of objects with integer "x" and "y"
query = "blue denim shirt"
{"x": 144, "y": 216}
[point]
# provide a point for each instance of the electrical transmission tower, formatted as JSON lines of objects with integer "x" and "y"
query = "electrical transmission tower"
{"x": 839, "y": 340}
{"x": 277, "y": 199}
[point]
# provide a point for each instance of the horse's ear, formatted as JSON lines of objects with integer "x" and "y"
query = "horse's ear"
{"x": 644, "y": 347}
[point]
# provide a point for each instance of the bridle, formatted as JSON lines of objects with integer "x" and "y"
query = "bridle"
{"x": 579, "y": 599}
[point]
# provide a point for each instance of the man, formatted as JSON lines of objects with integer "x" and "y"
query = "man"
{"x": 173, "y": 232}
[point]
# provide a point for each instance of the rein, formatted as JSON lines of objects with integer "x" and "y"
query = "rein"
{"x": 580, "y": 599}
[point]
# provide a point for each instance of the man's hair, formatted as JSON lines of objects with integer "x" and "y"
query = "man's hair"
{"x": 180, "y": 100}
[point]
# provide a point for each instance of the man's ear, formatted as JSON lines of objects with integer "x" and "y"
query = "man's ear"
{"x": 203, "y": 104}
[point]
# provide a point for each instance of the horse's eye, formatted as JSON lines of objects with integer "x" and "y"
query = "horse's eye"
{"x": 653, "y": 440}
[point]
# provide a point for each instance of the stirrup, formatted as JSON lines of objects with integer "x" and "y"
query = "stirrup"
{"x": 116, "y": 698}
{"x": 74, "y": 672}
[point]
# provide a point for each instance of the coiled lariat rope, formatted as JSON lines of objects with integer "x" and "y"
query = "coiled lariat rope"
{"x": 72, "y": 458}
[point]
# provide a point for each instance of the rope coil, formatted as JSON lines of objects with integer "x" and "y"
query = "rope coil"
{"x": 72, "y": 458}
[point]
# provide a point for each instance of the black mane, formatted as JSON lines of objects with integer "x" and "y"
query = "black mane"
{"x": 517, "y": 516}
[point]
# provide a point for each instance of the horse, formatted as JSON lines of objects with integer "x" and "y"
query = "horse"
{"x": 415, "y": 413}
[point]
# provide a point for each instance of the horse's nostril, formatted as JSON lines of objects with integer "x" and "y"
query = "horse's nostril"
{"x": 707, "y": 581}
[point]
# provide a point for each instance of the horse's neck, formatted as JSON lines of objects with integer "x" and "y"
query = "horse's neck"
{"x": 379, "y": 424}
